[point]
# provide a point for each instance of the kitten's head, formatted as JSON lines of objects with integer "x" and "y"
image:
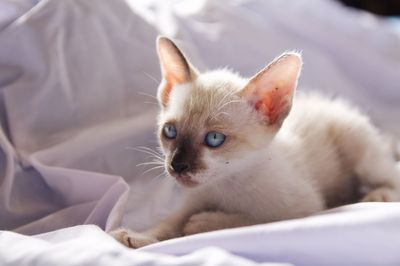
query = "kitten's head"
{"x": 212, "y": 125}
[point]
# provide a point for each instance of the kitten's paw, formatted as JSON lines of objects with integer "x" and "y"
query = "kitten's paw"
{"x": 382, "y": 194}
{"x": 202, "y": 222}
{"x": 132, "y": 239}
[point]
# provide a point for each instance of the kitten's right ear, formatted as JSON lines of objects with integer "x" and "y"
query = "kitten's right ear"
{"x": 175, "y": 69}
{"x": 270, "y": 92}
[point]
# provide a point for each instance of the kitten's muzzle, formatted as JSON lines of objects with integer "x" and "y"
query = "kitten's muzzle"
{"x": 179, "y": 170}
{"x": 186, "y": 181}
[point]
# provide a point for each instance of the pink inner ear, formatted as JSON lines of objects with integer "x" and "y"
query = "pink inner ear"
{"x": 165, "y": 93}
{"x": 271, "y": 90}
{"x": 170, "y": 81}
{"x": 274, "y": 104}
{"x": 175, "y": 69}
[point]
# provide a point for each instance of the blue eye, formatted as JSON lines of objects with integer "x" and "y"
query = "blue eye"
{"x": 169, "y": 131}
{"x": 214, "y": 139}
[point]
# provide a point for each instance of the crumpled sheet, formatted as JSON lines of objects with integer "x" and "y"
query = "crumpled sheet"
{"x": 362, "y": 234}
{"x": 89, "y": 245}
{"x": 77, "y": 86}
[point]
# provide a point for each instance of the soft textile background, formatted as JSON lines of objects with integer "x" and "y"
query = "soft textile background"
{"x": 76, "y": 79}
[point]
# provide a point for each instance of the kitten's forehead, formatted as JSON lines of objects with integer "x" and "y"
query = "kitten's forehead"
{"x": 204, "y": 98}
{"x": 222, "y": 79}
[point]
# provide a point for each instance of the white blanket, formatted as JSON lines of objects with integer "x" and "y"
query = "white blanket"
{"x": 363, "y": 234}
{"x": 75, "y": 80}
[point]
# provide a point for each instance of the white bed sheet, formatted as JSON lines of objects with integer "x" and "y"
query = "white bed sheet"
{"x": 74, "y": 82}
{"x": 362, "y": 234}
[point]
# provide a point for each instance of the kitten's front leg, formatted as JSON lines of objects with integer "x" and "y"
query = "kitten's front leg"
{"x": 166, "y": 229}
{"x": 169, "y": 228}
{"x": 211, "y": 221}
{"x": 131, "y": 238}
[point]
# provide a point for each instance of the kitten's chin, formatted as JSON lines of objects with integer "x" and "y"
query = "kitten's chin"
{"x": 186, "y": 181}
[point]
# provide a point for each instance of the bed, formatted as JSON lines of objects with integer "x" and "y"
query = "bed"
{"x": 77, "y": 86}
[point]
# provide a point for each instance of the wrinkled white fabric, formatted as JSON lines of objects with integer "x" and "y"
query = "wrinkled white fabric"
{"x": 362, "y": 234}
{"x": 77, "y": 86}
{"x": 88, "y": 245}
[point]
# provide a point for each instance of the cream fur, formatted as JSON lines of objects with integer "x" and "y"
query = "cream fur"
{"x": 321, "y": 156}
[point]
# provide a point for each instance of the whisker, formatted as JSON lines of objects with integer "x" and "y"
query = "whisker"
{"x": 225, "y": 104}
{"x": 146, "y": 94}
{"x": 151, "y": 77}
{"x": 160, "y": 175}
{"x": 153, "y": 155}
{"x": 228, "y": 94}
{"x": 151, "y": 163}
{"x": 154, "y": 159}
{"x": 221, "y": 104}
{"x": 152, "y": 169}
{"x": 152, "y": 103}
{"x": 220, "y": 113}
{"x": 147, "y": 150}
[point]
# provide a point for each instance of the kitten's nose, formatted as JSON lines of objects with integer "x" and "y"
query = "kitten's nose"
{"x": 179, "y": 167}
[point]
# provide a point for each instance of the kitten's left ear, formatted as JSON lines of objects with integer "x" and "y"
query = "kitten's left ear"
{"x": 174, "y": 67}
{"x": 271, "y": 90}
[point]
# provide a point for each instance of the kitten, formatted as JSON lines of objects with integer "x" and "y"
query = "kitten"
{"x": 249, "y": 152}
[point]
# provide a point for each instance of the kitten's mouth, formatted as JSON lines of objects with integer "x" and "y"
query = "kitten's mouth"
{"x": 186, "y": 181}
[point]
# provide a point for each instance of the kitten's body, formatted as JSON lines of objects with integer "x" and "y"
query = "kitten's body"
{"x": 270, "y": 167}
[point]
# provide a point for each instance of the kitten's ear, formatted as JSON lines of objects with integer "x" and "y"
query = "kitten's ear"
{"x": 175, "y": 69}
{"x": 271, "y": 90}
